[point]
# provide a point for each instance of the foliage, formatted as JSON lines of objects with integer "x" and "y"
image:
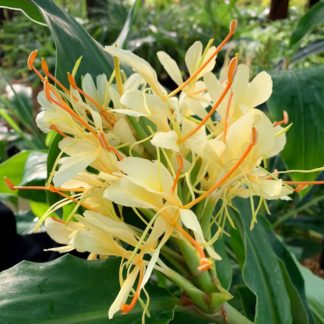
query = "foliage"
{"x": 266, "y": 283}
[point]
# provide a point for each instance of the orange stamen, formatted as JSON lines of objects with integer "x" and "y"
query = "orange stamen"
{"x": 57, "y": 130}
{"x": 50, "y": 188}
{"x": 126, "y": 308}
{"x": 233, "y": 63}
{"x": 226, "y": 120}
{"x": 178, "y": 173}
{"x": 233, "y": 26}
{"x": 300, "y": 187}
{"x": 108, "y": 117}
{"x": 305, "y": 183}
{"x": 228, "y": 174}
{"x": 284, "y": 121}
{"x": 30, "y": 63}
{"x": 108, "y": 147}
{"x": 52, "y": 77}
{"x": 48, "y": 89}
{"x": 205, "y": 264}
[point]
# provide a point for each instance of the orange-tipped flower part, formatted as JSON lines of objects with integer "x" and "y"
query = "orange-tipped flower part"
{"x": 253, "y": 136}
{"x": 284, "y": 121}
{"x": 126, "y": 308}
{"x": 31, "y": 59}
{"x": 233, "y": 26}
{"x": 205, "y": 264}
{"x": 232, "y": 69}
{"x": 72, "y": 80}
{"x": 9, "y": 183}
{"x": 47, "y": 90}
{"x": 178, "y": 173}
{"x": 44, "y": 66}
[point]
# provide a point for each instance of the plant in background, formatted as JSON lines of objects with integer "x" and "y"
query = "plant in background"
{"x": 159, "y": 189}
{"x": 145, "y": 169}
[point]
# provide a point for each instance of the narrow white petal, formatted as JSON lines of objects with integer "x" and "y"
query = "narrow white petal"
{"x": 170, "y": 67}
{"x": 167, "y": 140}
{"x": 193, "y": 56}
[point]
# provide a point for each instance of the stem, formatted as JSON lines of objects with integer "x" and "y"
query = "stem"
{"x": 202, "y": 279}
{"x": 233, "y": 316}
{"x": 195, "y": 294}
{"x": 293, "y": 212}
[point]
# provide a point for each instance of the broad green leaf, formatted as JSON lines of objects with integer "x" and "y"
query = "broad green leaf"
{"x": 26, "y": 6}
{"x": 34, "y": 175}
{"x": 71, "y": 290}
{"x": 315, "y": 293}
{"x": 72, "y": 42}
{"x": 300, "y": 93}
{"x": 13, "y": 168}
{"x": 224, "y": 266}
{"x": 261, "y": 272}
{"x": 308, "y": 22}
{"x": 293, "y": 279}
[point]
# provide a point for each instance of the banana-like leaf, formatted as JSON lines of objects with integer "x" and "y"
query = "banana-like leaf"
{"x": 300, "y": 93}
{"x": 71, "y": 290}
{"x": 28, "y": 8}
{"x": 268, "y": 276}
{"x": 72, "y": 42}
{"x": 312, "y": 18}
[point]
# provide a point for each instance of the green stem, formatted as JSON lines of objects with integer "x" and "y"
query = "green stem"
{"x": 195, "y": 294}
{"x": 293, "y": 212}
{"x": 202, "y": 279}
{"x": 233, "y": 316}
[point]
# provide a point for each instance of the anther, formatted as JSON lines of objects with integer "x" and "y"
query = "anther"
{"x": 284, "y": 121}
{"x": 232, "y": 69}
{"x": 233, "y": 26}
{"x": 44, "y": 66}
{"x": 31, "y": 59}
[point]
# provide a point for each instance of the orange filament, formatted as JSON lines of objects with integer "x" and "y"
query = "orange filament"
{"x": 305, "y": 183}
{"x": 284, "y": 121}
{"x": 228, "y": 174}
{"x": 233, "y": 63}
{"x": 57, "y": 130}
{"x": 217, "y": 50}
{"x": 50, "y": 188}
{"x": 52, "y": 77}
{"x": 48, "y": 89}
{"x": 205, "y": 264}
{"x": 178, "y": 173}
{"x": 227, "y": 116}
{"x": 30, "y": 63}
{"x": 108, "y": 147}
{"x": 300, "y": 187}
{"x": 108, "y": 117}
{"x": 126, "y": 308}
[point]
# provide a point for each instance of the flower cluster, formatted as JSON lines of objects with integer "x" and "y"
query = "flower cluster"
{"x": 144, "y": 168}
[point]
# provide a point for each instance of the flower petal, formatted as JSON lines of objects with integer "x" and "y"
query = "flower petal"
{"x": 170, "y": 67}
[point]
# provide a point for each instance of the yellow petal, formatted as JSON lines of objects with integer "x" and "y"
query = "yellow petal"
{"x": 170, "y": 67}
{"x": 139, "y": 65}
{"x": 167, "y": 140}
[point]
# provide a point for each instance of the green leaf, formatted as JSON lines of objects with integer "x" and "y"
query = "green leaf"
{"x": 72, "y": 42}
{"x": 120, "y": 41}
{"x": 28, "y": 8}
{"x": 71, "y": 290}
{"x": 261, "y": 272}
{"x": 308, "y": 22}
{"x": 315, "y": 293}
{"x": 293, "y": 279}
{"x": 13, "y": 169}
{"x": 34, "y": 175}
{"x": 223, "y": 267}
{"x": 300, "y": 93}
